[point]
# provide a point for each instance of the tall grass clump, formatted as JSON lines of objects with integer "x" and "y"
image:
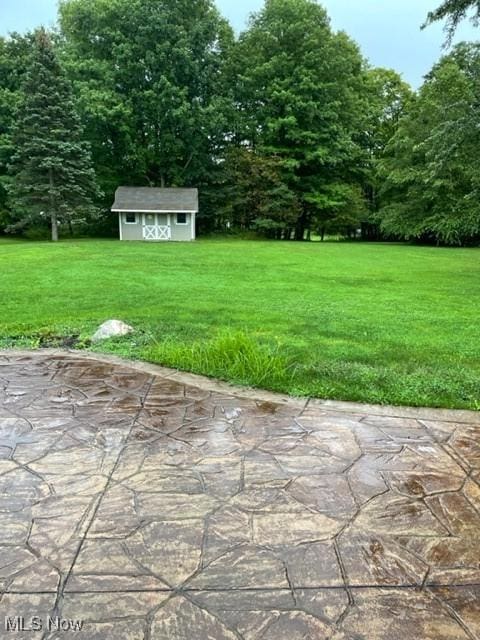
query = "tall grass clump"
{"x": 229, "y": 355}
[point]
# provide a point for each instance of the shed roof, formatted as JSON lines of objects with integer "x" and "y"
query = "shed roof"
{"x": 155, "y": 200}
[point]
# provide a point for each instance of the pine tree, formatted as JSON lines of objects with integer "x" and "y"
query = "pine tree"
{"x": 454, "y": 11}
{"x": 53, "y": 175}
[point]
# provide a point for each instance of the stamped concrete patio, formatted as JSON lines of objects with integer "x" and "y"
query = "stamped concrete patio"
{"x": 151, "y": 505}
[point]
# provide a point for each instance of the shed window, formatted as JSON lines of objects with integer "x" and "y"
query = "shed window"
{"x": 181, "y": 218}
{"x": 131, "y": 218}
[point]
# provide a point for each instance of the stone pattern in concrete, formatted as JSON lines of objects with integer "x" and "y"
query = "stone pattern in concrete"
{"x": 162, "y": 507}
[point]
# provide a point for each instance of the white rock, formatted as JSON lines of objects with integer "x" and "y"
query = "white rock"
{"x": 111, "y": 329}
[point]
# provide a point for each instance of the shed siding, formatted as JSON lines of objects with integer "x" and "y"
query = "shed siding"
{"x": 131, "y": 231}
{"x": 179, "y": 232}
{"x": 182, "y": 232}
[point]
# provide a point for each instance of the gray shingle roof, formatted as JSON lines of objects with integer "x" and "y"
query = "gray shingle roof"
{"x": 139, "y": 199}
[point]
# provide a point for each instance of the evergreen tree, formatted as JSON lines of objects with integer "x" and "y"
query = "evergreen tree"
{"x": 454, "y": 11}
{"x": 53, "y": 177}
{"x": 15, "y": 51}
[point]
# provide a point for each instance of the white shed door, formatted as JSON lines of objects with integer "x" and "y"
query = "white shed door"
{"x": 154, "y": 227}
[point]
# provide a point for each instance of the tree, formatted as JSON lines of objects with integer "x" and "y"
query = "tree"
{"x": 148, "y": 74}
{"x": 254, "y": 195}
{"x": 388, "y": 99}
{"x": 454, "y": 11}
{"x": 298, "y": 94}
{"x": 431, "y": 174}
{"x": 52, "y": 167}
{"x": 15, "y": 52}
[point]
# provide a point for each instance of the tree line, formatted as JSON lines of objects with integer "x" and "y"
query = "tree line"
{"x": 286, "y": 129}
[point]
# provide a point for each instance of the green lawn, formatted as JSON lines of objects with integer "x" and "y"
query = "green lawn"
{"x": 374, "y": 323}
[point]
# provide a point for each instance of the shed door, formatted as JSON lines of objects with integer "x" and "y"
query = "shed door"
{"x": 156, "y": 227}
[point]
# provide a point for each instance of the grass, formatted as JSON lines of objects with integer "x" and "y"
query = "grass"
{"x": 366, "y": 322}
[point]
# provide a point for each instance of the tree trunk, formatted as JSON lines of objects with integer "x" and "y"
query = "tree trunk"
{"x": 300, "y": 231}
{"x": 53, "y": 213}
{"x": 190, "y": 158}
{"x": 162, "y": 181}
{"x": 301, "y": 226}
{"x": 53, "y": 218}
{"x": 322, "y": 234}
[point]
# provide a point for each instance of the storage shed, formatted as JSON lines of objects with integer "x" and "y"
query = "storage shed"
{"x": 156, "y": 214}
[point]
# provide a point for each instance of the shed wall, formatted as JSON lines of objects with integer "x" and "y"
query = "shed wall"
{"x": 179, "y": 232}
{"x": 182, "y": 232}
{"x": 131, "y": 231}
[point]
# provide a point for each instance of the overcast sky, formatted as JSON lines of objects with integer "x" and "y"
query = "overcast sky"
{"x": 388, "y": 31}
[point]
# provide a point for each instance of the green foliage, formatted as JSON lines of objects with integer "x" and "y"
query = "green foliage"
{"x": 348, "y": 209}
{"x": 53, "y": 179}
{"x": 298, "y": 88}
{"x": 387, "y": 98}
{"x": 254, "y": 194}
{"x": 432, "y": 176}
{"x": 149, "y": 78}
{"x": 454, "y": 11}
{"x": 15, "y": 54}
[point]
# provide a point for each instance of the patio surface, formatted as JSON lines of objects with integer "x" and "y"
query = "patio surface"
{"x": 153, "y": 505}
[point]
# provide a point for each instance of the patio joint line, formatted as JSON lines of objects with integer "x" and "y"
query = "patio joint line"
{"x": 180, "y": 590}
